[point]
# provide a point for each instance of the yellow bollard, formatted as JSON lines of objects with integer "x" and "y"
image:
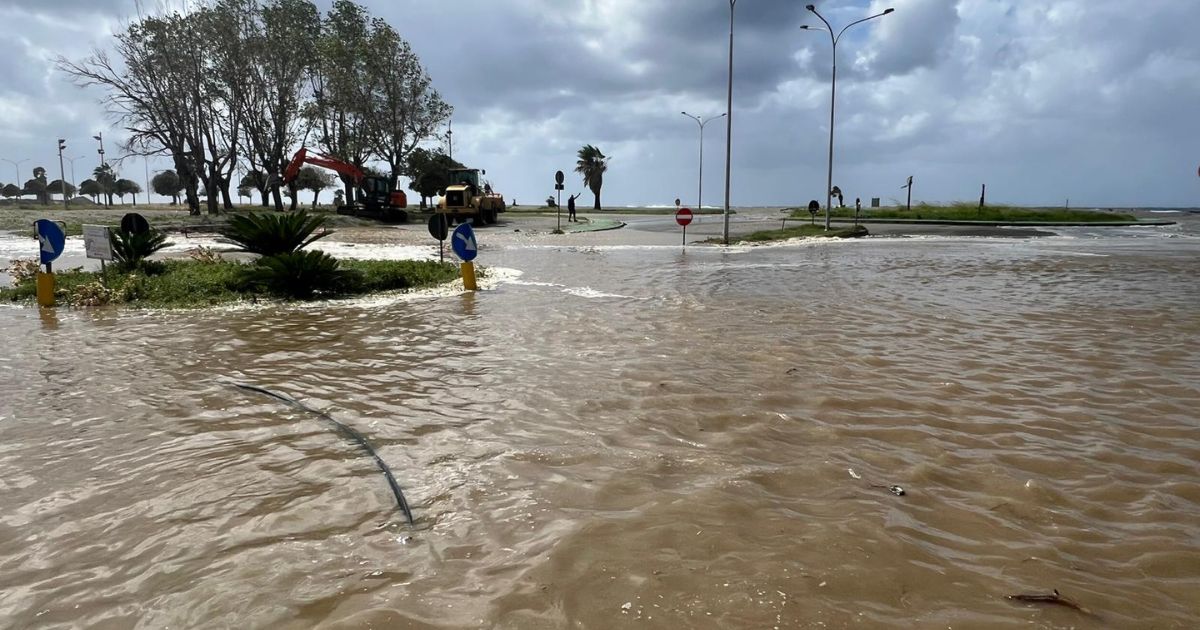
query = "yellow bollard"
{"x": 45, "y": 289}
{"x": 468, "y": 274}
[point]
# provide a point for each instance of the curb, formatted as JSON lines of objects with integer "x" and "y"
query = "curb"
{"x": 1000, "y": 223}
{"x": 597, "y": 225}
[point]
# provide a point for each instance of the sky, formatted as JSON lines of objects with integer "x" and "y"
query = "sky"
{"x": 1095, "y": 103}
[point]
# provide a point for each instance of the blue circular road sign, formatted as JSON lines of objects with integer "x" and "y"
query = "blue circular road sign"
{"x": 463, "y": 242}
{"x": 51, "y": 240}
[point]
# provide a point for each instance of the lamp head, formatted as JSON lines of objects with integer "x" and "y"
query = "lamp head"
{"x": 887, "y": 11}
{"x": 810, "y": 8}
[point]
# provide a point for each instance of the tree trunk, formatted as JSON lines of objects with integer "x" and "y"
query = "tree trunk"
{"x": 266, "y": 197}
{"x": 316, "y": 193}
{"x": 596, "y": 206}
{"x": 278, "y": 198}
{"x": 295, "y": 197}
{"x": 214, "y": 196}
{"x": 226, "y": 200}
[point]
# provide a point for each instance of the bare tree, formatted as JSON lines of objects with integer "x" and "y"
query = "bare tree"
{"x": 277, "y": 47}
{"x": 404, "y": 109}
{"x": 341, "y": 84}
{"x": 154, "y": 93}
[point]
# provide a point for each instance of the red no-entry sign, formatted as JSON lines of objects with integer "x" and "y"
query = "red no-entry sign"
{"x": 683, "y": 217}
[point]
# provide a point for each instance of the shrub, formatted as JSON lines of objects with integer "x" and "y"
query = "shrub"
{"x": 205, "y": 255}
{"x": 300, "y": 274}
{"x": 22, "y": 271}
{"x": 131, "y": 250}
{"x": 271, "y": 234}
{"x": 88, "y": 294}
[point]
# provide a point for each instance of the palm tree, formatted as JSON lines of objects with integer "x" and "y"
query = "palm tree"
{"x": 592, "y": 165}
{"x": 107, "y": 180}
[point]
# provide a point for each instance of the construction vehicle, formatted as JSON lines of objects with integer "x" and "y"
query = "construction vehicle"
{"x": 465, "y": 199}
{"x": 377, "y": 197}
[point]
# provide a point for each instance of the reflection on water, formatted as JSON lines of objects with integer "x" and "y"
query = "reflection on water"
{"x": 628, "y": 433}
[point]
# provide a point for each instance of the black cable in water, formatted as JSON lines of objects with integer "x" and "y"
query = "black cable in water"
{"x": 347, "y": 431}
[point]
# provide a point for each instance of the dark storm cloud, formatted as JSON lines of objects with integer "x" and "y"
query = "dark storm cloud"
{"x": 1042, "y": 100}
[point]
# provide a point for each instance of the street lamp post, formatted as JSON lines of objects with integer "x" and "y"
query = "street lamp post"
{"x": 833, "y": 92}
{"x": 700, "y": 186}
{"x": 62, "y": 175}
{"x": 729, "y": 121}
{"x": 99, "y": 137}
{"x": 17, "y": 170}
{"x": 72, "y": 161}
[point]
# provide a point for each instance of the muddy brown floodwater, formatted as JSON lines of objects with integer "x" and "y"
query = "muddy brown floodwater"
{"x": 618, "y": 433}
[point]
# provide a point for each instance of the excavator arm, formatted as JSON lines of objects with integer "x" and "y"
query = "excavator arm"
{"x": 303, "y": 157}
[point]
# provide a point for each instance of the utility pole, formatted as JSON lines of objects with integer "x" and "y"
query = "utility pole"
{"x": 450, "y": 137}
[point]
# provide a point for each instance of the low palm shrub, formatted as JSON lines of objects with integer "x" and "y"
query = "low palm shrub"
{"x": 300, "y": 274}
{"x": 272, "y": 234}
{"x": 131, "y": 250}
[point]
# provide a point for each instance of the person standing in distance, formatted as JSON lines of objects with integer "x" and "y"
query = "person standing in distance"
{"x": 571, "y": 207}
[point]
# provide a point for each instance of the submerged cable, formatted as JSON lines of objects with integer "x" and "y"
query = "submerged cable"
{"x": 347, "y": 431}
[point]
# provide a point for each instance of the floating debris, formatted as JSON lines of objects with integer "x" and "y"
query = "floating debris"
{"x": 1054, "y": 598}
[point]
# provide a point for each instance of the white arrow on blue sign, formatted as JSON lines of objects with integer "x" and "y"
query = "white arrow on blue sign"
{"x": 464, "y": 243}
{"x": 51, "y": 240}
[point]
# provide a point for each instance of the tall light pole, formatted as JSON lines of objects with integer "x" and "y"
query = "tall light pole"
{"x": 700, "y": 186}
{"x": 62, "y": 174}
{"x": 72, "y": 161}
{"x": 729, "y": 122}
{"x": 99, "y": 137}
{"x": 17, "y": 170}
{"x": 833, "y": 92}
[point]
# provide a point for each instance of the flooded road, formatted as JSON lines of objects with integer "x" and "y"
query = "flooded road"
{"x": 619, "y": 433}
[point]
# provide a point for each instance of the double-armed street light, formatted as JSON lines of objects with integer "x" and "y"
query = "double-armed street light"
{"x": 833, "y": 91}
{"x": 700, "y": 185}
{"x": 16, "y": 169}
{"x": 71, "y": 160}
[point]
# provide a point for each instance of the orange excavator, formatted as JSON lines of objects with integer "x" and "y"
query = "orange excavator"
{"x": 377, "y": 198}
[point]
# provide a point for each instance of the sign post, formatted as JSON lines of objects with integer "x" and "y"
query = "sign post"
{"x": 683, "y": 218}
{"x": 51, "y": 242}
{"x": 558, "y": 187}
{"x": 97, "y": 245}
{"x": 465, "y": 247}
{"x": 438, "y": 228}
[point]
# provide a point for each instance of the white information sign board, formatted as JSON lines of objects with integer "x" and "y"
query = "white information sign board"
{"x": 95, "y": 241}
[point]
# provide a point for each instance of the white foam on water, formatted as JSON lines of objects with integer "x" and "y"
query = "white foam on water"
{"x": 590, "y": 293}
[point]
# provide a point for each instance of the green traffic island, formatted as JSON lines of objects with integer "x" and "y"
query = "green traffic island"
{"x": 283, "y": 270}
{"x": 798, "y": 231}
{"x": 989, "y": 215}
{"x": 186, "y": 284}
{"x": 171, "y": 219}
